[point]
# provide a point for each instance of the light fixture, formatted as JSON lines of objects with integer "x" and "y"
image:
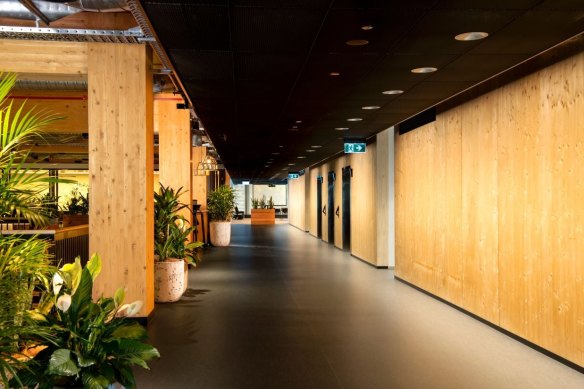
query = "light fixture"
{"x": 275, "y": 153}
{"x": 342, "y": 128}
{"x": 367, "y": 27}
{"x": 357, "y": 42}
{"x": 293, "y": 129}
{"x": 427, "y": 69}
{"x": 291, "y": 164}
{"x": 281, "y": 146}
{"x": 393, "y": 92}
{"x": 371, "y": 107}
{"x": 294, "y": 126}
{"x": 301, "y": 157}
{"x": 334, "y": 74}
{"x": 354, "y": 119}
{"x": 285, "y": 169}
{"x": 209, "y": 164}
{"x": 316, "y": 146}
{"x": 310, "y": 151}
{"x": 471, "y": 36}
{"x": 298, "y": 121}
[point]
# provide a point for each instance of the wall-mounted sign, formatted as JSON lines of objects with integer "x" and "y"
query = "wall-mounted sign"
{"x": 293, "y": 175}
{"x": 355, "y": 147}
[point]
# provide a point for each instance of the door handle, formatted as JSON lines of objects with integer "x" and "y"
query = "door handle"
{"x": 324, "y": 210}
{"x": 337, "y": 211}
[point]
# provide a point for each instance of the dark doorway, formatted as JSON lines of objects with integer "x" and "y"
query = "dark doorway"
{"x": 346, "y": 222}
{"x": 331, "y": 207}
{"x": 319, "y": 209}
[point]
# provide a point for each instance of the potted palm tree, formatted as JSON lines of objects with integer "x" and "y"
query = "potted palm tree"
{"x": 220, "y": 205}
{"x": 173, "y": 252}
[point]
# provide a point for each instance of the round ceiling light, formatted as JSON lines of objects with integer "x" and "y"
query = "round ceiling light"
{"x": 342, "y": 128}
{"x": 301, "y": 157}
{"x": 367, "y": 27}
{"x": 334, "y": 74}
{"x": 275, "y": 153}
{"x": 298, "y": 121}
{"x": 316, "y": 146}
{"x": 310, "y": 151}
{"x": 371, "y": 107}
{"x": 357, "y": 42}
{"x": 471, "y": 36}
{"x": 427, "y": 69}
{"x": 393, "y": 92}
{"x": 291, "y": 164}
{"x": 354, "y": 119}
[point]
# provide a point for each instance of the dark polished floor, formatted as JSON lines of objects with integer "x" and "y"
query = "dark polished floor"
{"x": 281, "y": 309}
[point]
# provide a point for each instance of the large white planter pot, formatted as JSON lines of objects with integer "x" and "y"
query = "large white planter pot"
{"x": 220, "y": 233}
{"x": 186, "y": 272}
{"x": 169, "y": 280}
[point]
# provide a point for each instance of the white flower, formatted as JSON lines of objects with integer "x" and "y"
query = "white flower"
{"x": 64, "y": 302}
{"x": 57, "y": 283}
{"x": 130, "y": 309}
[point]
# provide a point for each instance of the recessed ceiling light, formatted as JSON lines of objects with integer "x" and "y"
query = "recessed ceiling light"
{"x": 334, "y": 74}
{"x": 310, "y": 151}
{"x": 291, "y": 164}
{"x": 342, "y": 128}
{"x": 294, "y": 126}
{"x": 316, "y": 146}
{"x": 427, "y": 69}
{"x": 285, "y": 169}
{"x": 298, "y": 121}
{"x": 301, "y": 157}
{"x": 354, "y": 119}
{"x": 393, "y": 92}
{"x": 367, "y": 27}
{"x": 281, "y": 146}
{"x": 471, "y": 36}
{"x": 371, "y": 107}
{"x": 275, "y": 153}
{"x": 357, "y": 42}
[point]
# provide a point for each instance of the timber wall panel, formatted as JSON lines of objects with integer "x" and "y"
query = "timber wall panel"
{"x": 297, "y": 207}
{"x": 488, "y": 207}
{"x": 314, "y": 173}
{"x": 121, "y": 169}
{"x": 383, "y": 200}
{"x": 339, "y": 164}
{"x": 199, "y": 183}
{"x": 363, "y": 206}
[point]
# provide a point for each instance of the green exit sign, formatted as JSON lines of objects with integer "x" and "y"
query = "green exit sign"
{"x": 355, "y": 148}
{"x": 293, "y": 175}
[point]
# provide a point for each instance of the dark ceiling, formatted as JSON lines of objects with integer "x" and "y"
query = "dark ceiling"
{"x": 253, "y": 68}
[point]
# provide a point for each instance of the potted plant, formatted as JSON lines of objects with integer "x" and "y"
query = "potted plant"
{"x": 93, "y": 344}
{"x": 173, "y": 252}
{"x": 76, "y": 210}
{"x": 220, "y": 205}
{"x": 263, "y": 211}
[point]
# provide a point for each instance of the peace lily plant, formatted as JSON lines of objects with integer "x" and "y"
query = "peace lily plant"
{"x": 93, "y": 343}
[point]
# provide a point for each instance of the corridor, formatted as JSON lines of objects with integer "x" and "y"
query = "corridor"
{"x": 281, "y": 309}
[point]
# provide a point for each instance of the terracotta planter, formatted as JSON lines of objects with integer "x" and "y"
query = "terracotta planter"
{"x": 169, "y": 280}
{"x": 263, "y": 216}
{"x": 220, "y": 233}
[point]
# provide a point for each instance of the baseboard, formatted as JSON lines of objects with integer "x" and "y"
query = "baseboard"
{"x": 518, "y": 338}
{"x": 368, "y": 263}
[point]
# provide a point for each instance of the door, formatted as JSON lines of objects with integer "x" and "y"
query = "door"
{"x": 346, "y": 199}
{"x": 319, "y": 209}
{"x": 331, "y": 207}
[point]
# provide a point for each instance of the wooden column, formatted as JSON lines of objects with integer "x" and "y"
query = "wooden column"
{"x": 199, "y": 182}
{"x": 174, "y": 139}
{"x": 121, "y": 166}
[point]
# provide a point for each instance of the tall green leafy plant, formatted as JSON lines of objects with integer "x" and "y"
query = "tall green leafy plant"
{"x": 172, "y": 230}
{"x": 95, "y": 345}
{"x": 220, "y": 203}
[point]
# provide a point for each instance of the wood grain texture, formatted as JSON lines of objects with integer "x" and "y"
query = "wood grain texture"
{"x": 70, "y": 106}
{"x": 121, "y": 169}
{"x": 488, "y": 207}
{"x": 383, "y": 200}
{"x": 30, "y": 58}
{"x": 364, "y": 205}
{"x": 174, "y": 156}
{"x": 297, "y": 207}
{"x": 199, "y": 183}
{"x": 314, "y": 174}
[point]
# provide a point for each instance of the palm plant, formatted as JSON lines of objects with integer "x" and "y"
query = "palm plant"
{"x": 20, "y": 184}
{"x": 220, "y": 203}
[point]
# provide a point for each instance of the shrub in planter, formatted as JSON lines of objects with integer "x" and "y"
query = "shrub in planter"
{"x": 220, "y": 205}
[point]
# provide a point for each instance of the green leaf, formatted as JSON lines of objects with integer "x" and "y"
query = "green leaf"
{"x": 74, "y": 270}
{"x": 93, "y": 380}
{"x": 119, "y": 296}
{"x": 85, "y": 361}
{"x": 126, "y": 377}
{"x": 94, "y": 266}
{"x": 130, "y": 348}
{"x": 82, "y": 299}
{"x": 62, "y": 364}
{"x": 130, "y": 331}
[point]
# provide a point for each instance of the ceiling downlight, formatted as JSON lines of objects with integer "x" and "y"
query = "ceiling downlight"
{"x": 393, "y": 92}
{"x": 471, "y": 36}
{"x": 422, "y": 70}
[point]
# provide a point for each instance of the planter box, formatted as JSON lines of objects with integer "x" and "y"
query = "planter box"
{"x": 263, "y": 216}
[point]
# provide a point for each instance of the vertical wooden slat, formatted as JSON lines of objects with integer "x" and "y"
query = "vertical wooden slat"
{"x": 121, "y": 168}
{"x": 199, "y": 183}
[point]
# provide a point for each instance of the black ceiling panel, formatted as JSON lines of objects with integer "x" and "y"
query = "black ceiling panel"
{"x": 253, "y": 68}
